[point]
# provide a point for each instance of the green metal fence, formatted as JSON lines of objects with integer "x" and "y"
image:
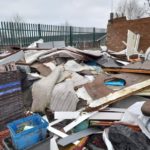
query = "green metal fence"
{"x": 23, "y": 34}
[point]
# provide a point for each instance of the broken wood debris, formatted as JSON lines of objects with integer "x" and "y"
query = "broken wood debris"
{"x": 77, "y": 89}
{"x": 119, "y": 95}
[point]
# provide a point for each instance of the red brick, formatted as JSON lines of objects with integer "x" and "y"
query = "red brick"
{"x": 117, "y": 32}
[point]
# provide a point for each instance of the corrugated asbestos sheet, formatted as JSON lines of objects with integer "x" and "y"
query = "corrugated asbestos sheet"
{"x": 64, "y": 97}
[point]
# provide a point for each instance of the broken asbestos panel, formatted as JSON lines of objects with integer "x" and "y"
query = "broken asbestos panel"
{"x": 18, "y": 56}
{"x": 64, "y": 97}
{"x": 83, "y": 94}
{"x": 95, "y": 53}
{"x": 78, "y": 80}
{"x": 119, "y": 95}
{"x": 32, "y": 55}
{"x": 42, "y": 91}
{"x": 73, "y": 66}
{"x": 63, "y": 54}
{"x": 64, "y": 75}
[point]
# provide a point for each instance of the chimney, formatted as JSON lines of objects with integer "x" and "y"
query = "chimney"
{"x": 111, "y": 16}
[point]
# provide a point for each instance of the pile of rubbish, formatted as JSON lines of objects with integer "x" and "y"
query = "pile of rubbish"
{"x": 71, "y": 99}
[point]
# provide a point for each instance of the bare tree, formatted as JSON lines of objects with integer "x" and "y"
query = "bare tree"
{"x": 131, "y": 9}
{"x": 17, "y": 18}
{"x": 18, "y": 30}
{"x": 121, "y": 9}
{"x": 147, "y": 7}
{"x": 67, "y": 24}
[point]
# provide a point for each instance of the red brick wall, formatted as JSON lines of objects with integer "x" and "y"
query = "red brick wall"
{"x": 117, "y": 32}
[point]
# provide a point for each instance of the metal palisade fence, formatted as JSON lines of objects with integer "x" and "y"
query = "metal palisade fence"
{"x": 23, "y": 34}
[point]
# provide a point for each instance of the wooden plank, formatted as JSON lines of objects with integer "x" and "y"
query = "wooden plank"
{"x": 140, "y": 71}
{"x": 145, "y": 92}
{"x": 119, "y": 95}
{"x": 97, "y": 123}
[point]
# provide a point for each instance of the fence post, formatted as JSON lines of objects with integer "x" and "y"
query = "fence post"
{"x": 71, "y": 36}
{"x": 39, "y": 30}
{"x": 1, "y": 35}
{"x": 94, "y": 38}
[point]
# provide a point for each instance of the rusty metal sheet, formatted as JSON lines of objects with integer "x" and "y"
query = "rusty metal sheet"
{"x": 97, "y": 89}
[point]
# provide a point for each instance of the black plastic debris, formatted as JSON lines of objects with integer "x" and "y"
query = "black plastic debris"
{"x": 124, "y": 138}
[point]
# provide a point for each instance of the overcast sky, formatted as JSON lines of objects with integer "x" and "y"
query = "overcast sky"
{"x": 86, "y": 13}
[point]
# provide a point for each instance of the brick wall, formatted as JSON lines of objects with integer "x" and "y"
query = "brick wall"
{"x": 117, "y": 32}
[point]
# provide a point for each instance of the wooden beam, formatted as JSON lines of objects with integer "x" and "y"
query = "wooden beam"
{"x": 140, "y": 71}
{"x": 118, "y": 95}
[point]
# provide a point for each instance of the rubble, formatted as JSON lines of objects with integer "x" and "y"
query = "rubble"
{"x": 90, "y": 99}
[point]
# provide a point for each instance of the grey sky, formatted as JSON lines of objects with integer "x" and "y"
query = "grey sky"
{"x": 88, "y": 13}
